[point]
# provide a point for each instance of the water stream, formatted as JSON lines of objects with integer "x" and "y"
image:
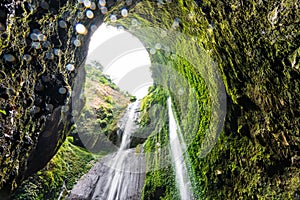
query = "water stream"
{"x": 178, "y": 148}
{"x": 121, "y": 175}
{"x": 121, "y": 179}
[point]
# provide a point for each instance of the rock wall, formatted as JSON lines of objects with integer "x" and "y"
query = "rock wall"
{"x": 41, "y": 54}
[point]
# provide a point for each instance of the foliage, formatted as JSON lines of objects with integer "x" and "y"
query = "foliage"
{"x": 104, "y": 105}
{"x": 94, "y": 73}
{"x": 60, "y": 174}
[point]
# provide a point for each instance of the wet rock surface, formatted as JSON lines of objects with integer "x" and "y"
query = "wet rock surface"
{"x": 119, "y": 175}
{"x": 93, "y": 183}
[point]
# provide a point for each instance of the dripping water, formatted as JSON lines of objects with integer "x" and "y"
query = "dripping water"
{"x": 178, "y": 148}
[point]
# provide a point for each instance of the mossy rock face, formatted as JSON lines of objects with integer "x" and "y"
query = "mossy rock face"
{"x": 37, "y": 81}
{"x": 255, "y": 45}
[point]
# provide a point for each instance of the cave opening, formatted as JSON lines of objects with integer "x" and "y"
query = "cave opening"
{"x": 122, "y": 57}
{"x": 117, "y": 72}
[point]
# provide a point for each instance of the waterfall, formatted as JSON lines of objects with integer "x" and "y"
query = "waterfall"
{"x": 178, "y": 148}
{"x": 121, "y": 179}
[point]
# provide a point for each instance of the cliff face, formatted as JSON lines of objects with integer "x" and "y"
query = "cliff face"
{"x": 256, "y": 48}
{"x": 39, "y": 63}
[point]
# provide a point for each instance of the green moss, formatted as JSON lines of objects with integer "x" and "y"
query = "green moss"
{"x": 60, "y": 174}
{"x": 259, "y": 68}
{"x": 159, "y": 178}
{"x": 3, "y": 112}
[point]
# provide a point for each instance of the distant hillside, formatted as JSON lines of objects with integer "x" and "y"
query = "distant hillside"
{"x": 104, "y": 104}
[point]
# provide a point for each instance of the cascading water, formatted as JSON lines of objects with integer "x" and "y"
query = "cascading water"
{"x": 121, "y": 175}
{"x": 121, "y": 179}
{"x": 178, "y": 148}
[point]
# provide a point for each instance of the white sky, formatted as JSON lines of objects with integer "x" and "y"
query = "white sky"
{"x": 102, "y": 34}
{"x": 123, "y": 57}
